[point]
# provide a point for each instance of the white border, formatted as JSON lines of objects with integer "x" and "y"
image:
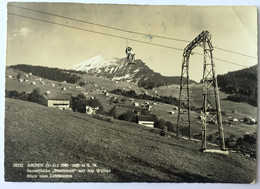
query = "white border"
{"x": 3, "y": 34}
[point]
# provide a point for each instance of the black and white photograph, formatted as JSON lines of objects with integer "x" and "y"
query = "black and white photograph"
{"x": 123, "y": 93}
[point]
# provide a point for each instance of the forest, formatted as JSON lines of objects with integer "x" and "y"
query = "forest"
{"x": 55, "y": 74}
{"x": 240, "y": 85}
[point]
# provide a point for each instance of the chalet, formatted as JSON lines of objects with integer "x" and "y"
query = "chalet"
{"x": 136, "y": 104}
{"x": 20, "y": 80}
{"x": 91, "y": 110}
{"x": 33, "y": 83}
{"x": 59, "y": 101}
{"x": 53, "y": 85}
{"x": 62, "y": 104}
{"x": 149, "y": 107}
{"x": 146, "y": 120}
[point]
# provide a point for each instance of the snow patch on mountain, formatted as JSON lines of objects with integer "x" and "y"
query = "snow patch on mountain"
{"x": 95, "y": 62}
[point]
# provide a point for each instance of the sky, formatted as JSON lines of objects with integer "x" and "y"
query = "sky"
{"x": 38, "y": 43}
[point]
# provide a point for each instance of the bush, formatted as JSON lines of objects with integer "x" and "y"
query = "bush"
{"x": 128, "y": 116}
{"x": 103, "y": 118}
{"x": 159, "y": 123}
{"x": 113, "y": 112}
{"x": 18, "y": 76}
{"x": 36, "y": 97}
{"x": 82, "y": 83}
{"x": 169, "y": 126}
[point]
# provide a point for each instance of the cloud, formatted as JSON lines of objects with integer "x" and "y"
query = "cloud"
{"x": 21, "y": 32}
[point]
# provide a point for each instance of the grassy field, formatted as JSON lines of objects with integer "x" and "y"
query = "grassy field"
{"x": 94, "y": 88}
{"x": 133, "y": 153}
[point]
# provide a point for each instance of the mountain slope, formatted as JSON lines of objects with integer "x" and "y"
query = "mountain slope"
{"x": 118, "y": 69}
{"x": 241, "y": 84}
{"x": 133, "y": 153}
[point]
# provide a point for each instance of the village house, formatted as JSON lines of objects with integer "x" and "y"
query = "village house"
{"x": 91, "y": 110}
{"x": 62, "y": 104}
{"x": 146, "y": 120}
{"x": 136, "y": 104}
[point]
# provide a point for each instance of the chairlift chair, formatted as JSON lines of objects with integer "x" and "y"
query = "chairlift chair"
{"x": 130, "y": 53}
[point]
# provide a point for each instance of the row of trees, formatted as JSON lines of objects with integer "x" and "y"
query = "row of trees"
{"x": 159, "y": 80}
{"x": 245, "y": 144}
{"x": 55, "y": 74}
{"x": 131, "y": 116}
{"x": 34, "y": 96}
{"x": 132, "y": 94}
{"x": 80, "y": 102}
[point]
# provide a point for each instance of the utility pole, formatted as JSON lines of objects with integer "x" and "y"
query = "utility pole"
{"x": 211, "y": 111}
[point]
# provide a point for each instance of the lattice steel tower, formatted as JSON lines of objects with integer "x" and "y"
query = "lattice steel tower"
{"x": 211, "y": 111}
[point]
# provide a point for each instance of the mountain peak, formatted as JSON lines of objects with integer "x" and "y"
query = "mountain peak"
{"x": 119, "y": 69}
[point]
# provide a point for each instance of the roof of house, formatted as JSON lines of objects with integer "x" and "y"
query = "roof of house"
{"x": 146, "y": 118}
{"x": 60, "y": 96}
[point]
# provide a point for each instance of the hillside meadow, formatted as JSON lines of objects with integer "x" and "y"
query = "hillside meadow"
{"x": 132, "y": 153}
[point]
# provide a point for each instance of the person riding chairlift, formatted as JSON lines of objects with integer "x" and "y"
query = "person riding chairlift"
{"x": 130, "y": 55}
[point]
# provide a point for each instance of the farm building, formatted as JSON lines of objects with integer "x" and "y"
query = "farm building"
{"x": 146, "y": 120}
{"x": 62, "y": 104}
{"x": 172, "y": 112}
{"x": 136, "y": 104}
{"x": 90, "y": 110}
{"x": 149, "y": 107}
